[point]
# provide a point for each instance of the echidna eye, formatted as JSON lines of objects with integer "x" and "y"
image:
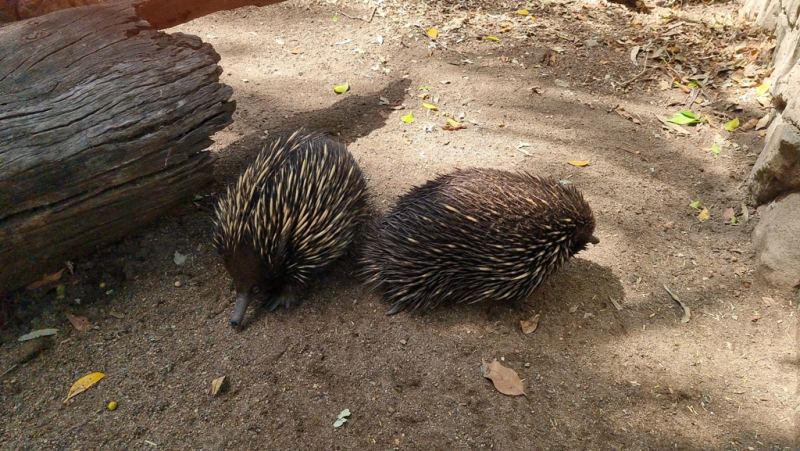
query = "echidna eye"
{"x": 255, "y": 289}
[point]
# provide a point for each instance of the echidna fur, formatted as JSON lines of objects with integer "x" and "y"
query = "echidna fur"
{"x": 291, "y": 214}
{"x": 473, "y": 235}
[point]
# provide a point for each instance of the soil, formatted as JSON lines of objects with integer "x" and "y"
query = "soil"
{"x": 560, "y": 87}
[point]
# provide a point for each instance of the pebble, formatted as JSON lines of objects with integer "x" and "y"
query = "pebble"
{"x": 178, "y": 284}
{"x": 590, "y": 43}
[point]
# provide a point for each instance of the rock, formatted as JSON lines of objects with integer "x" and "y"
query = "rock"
{"x": 776, "y": 243}
{"x": 777, "y": 170}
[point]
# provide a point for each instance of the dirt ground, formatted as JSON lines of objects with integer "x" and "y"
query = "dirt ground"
{"x": 556, "y": 88}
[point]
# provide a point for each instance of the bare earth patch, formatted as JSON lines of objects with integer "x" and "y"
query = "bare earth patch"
{"x": 558, "y": 88}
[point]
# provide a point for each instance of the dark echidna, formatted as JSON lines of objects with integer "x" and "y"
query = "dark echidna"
{"x": 290, "y": 215}
{"x": 472, "y": 235}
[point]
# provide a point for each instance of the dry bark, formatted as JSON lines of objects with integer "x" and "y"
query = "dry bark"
{"x": 102, "y": 125}
{"x": 160, "y": 13}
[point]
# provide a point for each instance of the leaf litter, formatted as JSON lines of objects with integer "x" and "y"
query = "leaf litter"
{"x": 505, "y": 380}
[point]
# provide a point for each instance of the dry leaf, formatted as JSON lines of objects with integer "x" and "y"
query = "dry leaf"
{"x": 80, "y": 323}
{"x": 453, "y": 125}
{"x": 82, "y": 384}
{"x": 528, "y": 326}
{"x": 728, "y": 213}
{"x": 48, "y": 282}
{"x": 433, "y": 33}
{"x": 216, "y": 385}
{"x": 579, "y": 163}
{"x": 430, "y": 107}
{"x": 704, "y": 214}
{"x": 505, "y": 380}
{"x": 523, "y": 12}
{"x": 492, "y": 38}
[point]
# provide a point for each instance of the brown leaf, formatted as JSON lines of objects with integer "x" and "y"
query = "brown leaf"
{"x": 728, "y": 213}
{"x": 80, "y": 323}
{"x": 528, "y": 326}
{"x": 48, "y": 282}
{"x": 505, "y": 380}
{"x": 217, "y": 385}
{"x": 579, "y": 163}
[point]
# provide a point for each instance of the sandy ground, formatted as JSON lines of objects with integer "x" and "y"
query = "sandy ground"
{"x": 558, "y": 88}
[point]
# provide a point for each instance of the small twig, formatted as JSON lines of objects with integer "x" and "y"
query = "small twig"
{"x": 360, "y": 18}
{"x": 616, "y": 303}
{"x": 632, "y": 152}
{"x": 687, "y": 314}
{"x": 9, "y": 370}
{"x": 644, "y": 69}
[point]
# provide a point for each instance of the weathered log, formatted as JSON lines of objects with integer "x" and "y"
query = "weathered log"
{"x": 160, "y": 13}
{"x": 103, "y": 123}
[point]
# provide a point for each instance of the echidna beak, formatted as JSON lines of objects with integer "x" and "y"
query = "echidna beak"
{"x": 594, "y": 240}
{"x": 242, "y": 301}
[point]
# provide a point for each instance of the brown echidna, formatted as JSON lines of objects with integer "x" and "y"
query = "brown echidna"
{"x": 475, "y": 234}
{"x": 290, "y": 215}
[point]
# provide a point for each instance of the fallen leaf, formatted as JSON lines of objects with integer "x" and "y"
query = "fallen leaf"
{"x": 38, "y": 333}
{"x": 672, "y": 126}
{"x": 296, "y": 52}
{"x": 579, "y": 163}
{"x": 82, "y": 384}
{"x": 523, "y": 12}
{"x": 529, "y": 326}
{"x": 408, "y": 118}
{"x": 179, "y": 258}
{"x": 505, "y": 380}
{"x": 728, "y": 213}
{"x": 704, "y": 214}
{"x": 341, "y": 418}
{"x": 217, "y": 385}
{"x": 695, "y": 204}
{"x": 715, "y": 148}
{"x": 80, "y": 323}
{"x": 492, "y": 38}
{"x": 684, "y": 118}
{"x": 749, "y": 125}
{"x": 763, "y": 122}
{"x": 430, "y": 107}
{"x": 453, "y": 125}
{"x": 335, "y": 19}
{"x": 433, "y": 33}
{"x": 48, "y": 282}
{"x": 763, "y": 89}
{"x": 731, "y": 125}
{"x": 342, "y": 88}
{"x": 116, "y": 315}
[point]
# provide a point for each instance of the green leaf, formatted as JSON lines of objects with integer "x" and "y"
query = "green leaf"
{"x": 430, "y": 107}
{"x": 734, "y": 221}
{"x": 342, "y": 88}
{"x": 335, "y": 19}
{"x": 732, "y": 124}
{"x": 716, "y": 148}
{"x": 492, "y": 38}
{"x": 408, "y": 118}
{"x": 684, "y": 118}
{"x": 424, "y": 88}
{"x": 695, "y": 204}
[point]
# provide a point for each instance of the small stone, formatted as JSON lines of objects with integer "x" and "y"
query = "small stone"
{"x": 589, "y": 43}
{"x": 402, "y": 342}
{"x": 734, "y": 259}
{"x": 177, "y": 284}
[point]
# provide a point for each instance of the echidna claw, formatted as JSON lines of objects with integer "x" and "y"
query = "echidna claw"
{"x": 396, "y": 308}
{"x": 274, "y": 304}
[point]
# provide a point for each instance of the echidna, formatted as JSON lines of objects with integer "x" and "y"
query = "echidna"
{"x": 475, "y": 234}
{"x": 290, "y": 215}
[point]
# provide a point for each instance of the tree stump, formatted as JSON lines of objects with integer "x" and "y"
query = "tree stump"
{"x": 103, "y": 123}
